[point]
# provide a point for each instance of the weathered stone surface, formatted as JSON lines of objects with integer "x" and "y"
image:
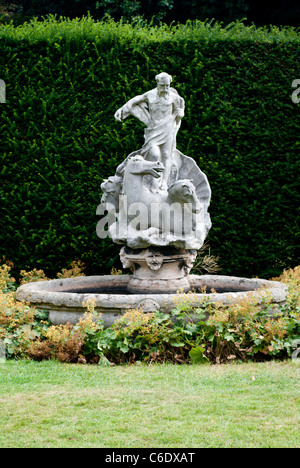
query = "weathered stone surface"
{"x": 158, "y": 195}
{"x": 63, "y": 298}
{"x": 158, "y": 270}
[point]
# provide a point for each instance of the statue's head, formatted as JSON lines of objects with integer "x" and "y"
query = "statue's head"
{"x": 163, "y": 81}
{"x": 182, "y": 190}
{"x": 112, "y": 184}
{"x": 111, "y": 189}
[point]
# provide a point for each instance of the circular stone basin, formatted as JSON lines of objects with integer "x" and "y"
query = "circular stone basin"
{"x": 63, "y": 298}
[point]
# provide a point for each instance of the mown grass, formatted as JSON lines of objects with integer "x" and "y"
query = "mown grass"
{"x": 50, "y": 404}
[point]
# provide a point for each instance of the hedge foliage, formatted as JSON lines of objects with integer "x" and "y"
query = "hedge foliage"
{"x": 59, "y": 139}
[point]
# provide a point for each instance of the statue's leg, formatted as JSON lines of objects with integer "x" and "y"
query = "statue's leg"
{"x": 166, "y": 159}
{"x": 153, "y": 154}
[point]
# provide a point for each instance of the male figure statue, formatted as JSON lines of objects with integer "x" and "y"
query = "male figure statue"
{"x": 161, "y": 110}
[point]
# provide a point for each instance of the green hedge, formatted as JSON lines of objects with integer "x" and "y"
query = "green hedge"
{"x": 64, "y": 81}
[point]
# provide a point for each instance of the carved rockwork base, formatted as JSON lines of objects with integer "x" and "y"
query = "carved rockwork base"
{"x": 158, "y": 270}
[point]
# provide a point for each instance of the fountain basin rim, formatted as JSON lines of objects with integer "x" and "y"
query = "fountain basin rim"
{"x": 65, "y": 306}
{"x": 56, "y": 291}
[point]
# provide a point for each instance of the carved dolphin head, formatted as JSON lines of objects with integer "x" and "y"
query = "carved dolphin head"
{"x": 140, "y": 166}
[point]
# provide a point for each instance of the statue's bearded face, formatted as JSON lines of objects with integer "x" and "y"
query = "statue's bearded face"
{"x": 163, "y": 86}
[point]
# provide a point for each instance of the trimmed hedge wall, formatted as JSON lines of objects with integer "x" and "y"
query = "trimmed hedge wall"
{"x": 59, "y": 139}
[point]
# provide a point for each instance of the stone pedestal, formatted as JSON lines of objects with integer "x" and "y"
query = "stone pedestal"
{"x": 158, "y": 270}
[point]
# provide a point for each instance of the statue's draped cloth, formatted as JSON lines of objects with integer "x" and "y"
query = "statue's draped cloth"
{"x": 160, "y": 134}
{"x": 155, "y": 135}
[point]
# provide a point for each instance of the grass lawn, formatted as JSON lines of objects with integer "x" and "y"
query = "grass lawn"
{"x": 50, "y": 404}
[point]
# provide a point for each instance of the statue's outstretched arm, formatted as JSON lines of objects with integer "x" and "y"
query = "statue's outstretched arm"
{"x": 125, "y": 110}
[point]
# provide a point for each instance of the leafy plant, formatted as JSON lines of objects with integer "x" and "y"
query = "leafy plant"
{"x": 209, "y": 332}
{"x": 197, "y": 356}
{"x": 27, "y": 331}
{"x": 67, "y": 342}
{"x": 198, "y": 334}
{"x": 20, "y": 324}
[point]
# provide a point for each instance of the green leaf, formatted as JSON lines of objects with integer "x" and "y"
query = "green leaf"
{"x": 124, "y": 348}
{"x": 197, "y": 356}
{"x": 228, "y": 337}
{"x": 104, "y": 362}
{"x": 200, "y": 313}
{"x": 177, "y": 344}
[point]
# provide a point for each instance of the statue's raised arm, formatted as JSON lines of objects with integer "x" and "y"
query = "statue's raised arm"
{"x": 136, "y": 107}
{"x": 161, "y": 110}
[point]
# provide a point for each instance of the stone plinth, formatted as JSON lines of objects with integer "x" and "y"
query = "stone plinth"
{"x": 158, "y": 270}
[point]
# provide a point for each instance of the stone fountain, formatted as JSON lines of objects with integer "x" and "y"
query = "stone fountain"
{"x": 157, "y": 210}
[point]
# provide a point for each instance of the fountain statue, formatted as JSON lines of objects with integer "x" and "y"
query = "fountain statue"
{"x": 159, "y": 197}
{"x": 157, "y": 211}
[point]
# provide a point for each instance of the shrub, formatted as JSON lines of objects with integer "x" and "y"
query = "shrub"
{"x": 59, "y": 139}
{"x": 20, "y": 324}
{"x": 68, "y": 343}
{"x": 244, "y": 330}
{"x": 22, "y": 327}
{"x": 140, "y": 336}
